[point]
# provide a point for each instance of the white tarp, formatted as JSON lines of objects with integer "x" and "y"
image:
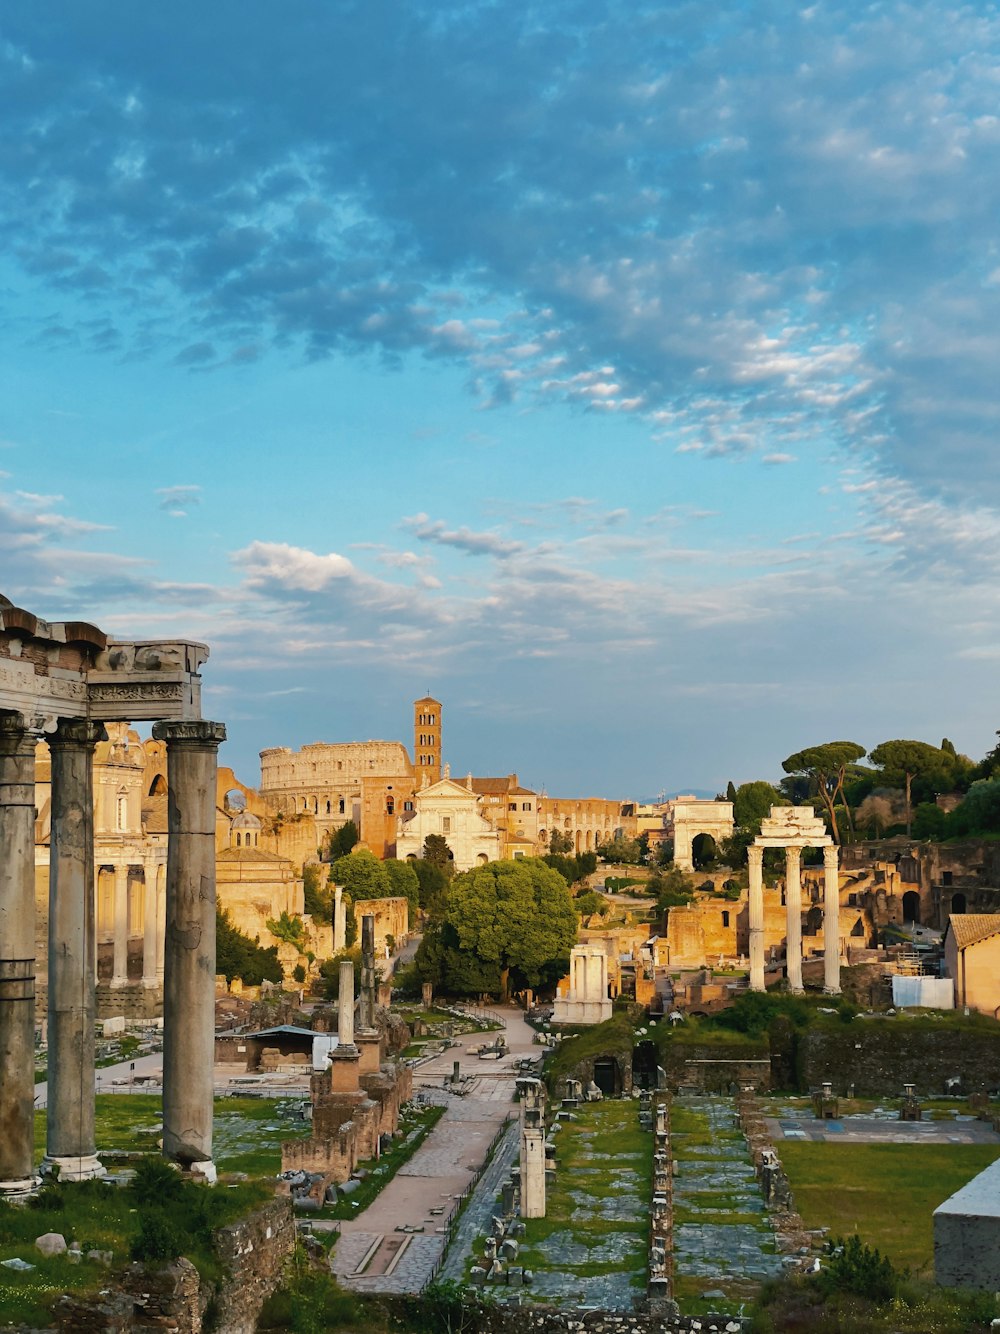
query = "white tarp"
{"x": 933, "y": 993}
{"x": 323, "y": 1045}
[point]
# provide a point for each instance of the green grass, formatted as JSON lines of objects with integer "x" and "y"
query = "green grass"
{"x": 99, "y": 1217}
{"x": 248, "y": 1131}
{"x": 885, "y": 1192}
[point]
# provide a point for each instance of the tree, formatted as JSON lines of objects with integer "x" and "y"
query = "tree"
{"x": 827, "y": 766}
{"x": 437, "y": 852}
{"x": 730, "y": 791}
{"x": 623, "y": 851}
{"x": 404, "y": 882}
{"x": 290, "y": 929}
{"x": 929, "y": 821}
{"x": 560, "y": 842}
{"x": 236, "y": 955}
{"x": 902, "y": 761}
{"x": 433, "y": 882}
{"x": 317, "y": 898}
{"x": 979, "y": 813}
{"x": 752, "y": 802}
{"x": 362, "y": 875}
{"x": 517, "y": 915}
{"x": 344, "y": 839}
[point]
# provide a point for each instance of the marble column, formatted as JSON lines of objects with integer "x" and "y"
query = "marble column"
{"x": 366, "y": 1016}
{"x": 119, "y": 974}
{"x": 189, "y": 957}
{"x": 831, "y": 921}
{"x": 17, "y": 953}
{"x": 70, "y": 1143}
{"x": 793, "y": 918}
{"x": 345, "y": 1005}
{"x": 149, "y": 925}
{"x": 755, "y": 865}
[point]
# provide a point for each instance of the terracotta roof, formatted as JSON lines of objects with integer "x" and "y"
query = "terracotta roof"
{"x": 154, "y": 813}
{"x": 971, "y": 927}
{"x": 487, "y": 786}
{"x": 249, "y": 855}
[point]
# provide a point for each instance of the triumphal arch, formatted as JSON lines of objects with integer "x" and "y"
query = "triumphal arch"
{"x": 61, "y": 682}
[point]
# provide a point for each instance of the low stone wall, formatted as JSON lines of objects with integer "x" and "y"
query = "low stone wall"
{"x": 499, "y": 1319}
{"x": 253, "y": 1252}
{"x": 174, "y": 1300}
{"x": 790, "y": 1232}
{"x": 711, "y": 1067}
{"x": 879, "y": 1056}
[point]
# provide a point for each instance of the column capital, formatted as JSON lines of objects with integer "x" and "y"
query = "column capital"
{"x": 755, "y": 853}
{"x": 77, "y": 732}
{"x": 831, "y": 855}
{"x": 16, "y": 727}
{"x": 196, "y": 733}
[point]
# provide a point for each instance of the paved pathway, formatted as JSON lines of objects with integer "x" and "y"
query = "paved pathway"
{"x": 441, "y": 1169}
{"x": 475, "y": 1220}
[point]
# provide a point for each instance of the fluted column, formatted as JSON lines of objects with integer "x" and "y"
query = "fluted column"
{"x": 119, "y": 974}
{"x": 149, "y": 925}
{"x": 755, "y": 865}
{"x": 17, "y": 953}
{"x": 793, "y": 919}
{"x": 189, "y": 960}
{"x": 70, "y": 1144}
{"x": 831, "y": 921}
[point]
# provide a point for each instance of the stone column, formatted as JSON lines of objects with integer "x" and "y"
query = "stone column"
{"x": 339, "y": 920}
{"x": 755, "y": 864}
{"x": 345, "y": 1005}
{"x": 831, "y": 921}
{"x": 793, "y": 917}
{"x": 189, "y": 961}
{"x": 70, "y": 1144}
{"x": 367, "y": 1015}
{"x": 17, "y": 953}
{"x": 149, "y": 925}
{"x": 161, "y": 919}
{"x": 119, "y": 974}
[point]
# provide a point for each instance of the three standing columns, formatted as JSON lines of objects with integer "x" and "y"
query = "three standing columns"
{"x": 70, "y": 1141}
{"x": 189, "y": 949}
{"x": 17, "y": 953}
{"x": 793, "y": 920}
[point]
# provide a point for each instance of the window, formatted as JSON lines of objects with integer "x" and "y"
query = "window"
{"x": 446, "y": 823}
{"x": 340, "y": 806}
{"x": 512, "y": 805}
{"x": 121, "y": 811}
{"x": 946, "y": 877}
{"x": 725, "y": 919}
{"x": 390, "y": 806}
{"x": 407, "y": 805}
{"x": 518, "y": 855}
{"x": 525, "y": 805}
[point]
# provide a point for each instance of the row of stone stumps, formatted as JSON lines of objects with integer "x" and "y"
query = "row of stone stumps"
{"x": 654, "y": 1113}
{"x": 790, "y": 1233}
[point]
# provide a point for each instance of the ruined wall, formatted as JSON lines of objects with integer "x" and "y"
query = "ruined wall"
{"x": 713, "y": 1067}
{"x": 253, "y": 1252}
{"x": 879, "y": 1056}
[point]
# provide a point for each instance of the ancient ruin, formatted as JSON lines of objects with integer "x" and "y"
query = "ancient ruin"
{"x": 62, "y": 682}
{"x": 794, "y": 828}
{"x": 587, "y": 1000}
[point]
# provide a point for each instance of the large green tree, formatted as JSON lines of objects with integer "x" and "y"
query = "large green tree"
{"x": 516, "y": 915}
{"x": 236, "y": 955}
{"x": 903, "y": 761}
{"x": 362, "y": 875}
{"x": 405, "y": 884}
{"x": 752, "y": 802}
{"x": 827, "y": 766}
{"x": 343, "y": 840}
{"x": 437, "y": 852}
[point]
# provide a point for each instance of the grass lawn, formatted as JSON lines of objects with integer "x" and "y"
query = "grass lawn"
{"x": 885, "y": 1192}
{"x": 248, "y": 1131}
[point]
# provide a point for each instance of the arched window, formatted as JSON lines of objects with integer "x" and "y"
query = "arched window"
{"x": 328, "y": 808}
{"x": 238, "y": 836}
{"x": 390, "y": 806}
{"x": 341, "y": 806}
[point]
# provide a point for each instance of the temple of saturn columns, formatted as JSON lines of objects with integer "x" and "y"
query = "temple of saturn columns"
{"x": 61, "y": 682}
{"x": 794, "y": 828}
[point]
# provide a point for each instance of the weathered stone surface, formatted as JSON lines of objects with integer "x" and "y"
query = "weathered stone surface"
{"x": 51, "y": 1243}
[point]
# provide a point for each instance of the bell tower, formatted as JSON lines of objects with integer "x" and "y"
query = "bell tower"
{"x": 427, "y": 739}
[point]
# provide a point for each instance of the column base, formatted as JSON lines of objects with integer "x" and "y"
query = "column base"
{"x": 832, "y": 991}
{"x": 151, "y": 983}
{"x": 74, "y": 1167}
{"x": 12, "y": 1190}
{"x": 117, "y": 983}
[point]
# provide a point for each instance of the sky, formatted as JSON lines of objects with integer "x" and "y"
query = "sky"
{"x": 625, "y": 375}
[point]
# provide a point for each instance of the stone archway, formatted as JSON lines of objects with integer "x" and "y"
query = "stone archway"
{"x": 911, "y": 907}
{"x": 959, "y": 904}
{"x": 704, "y": 852}
{"x": 693, "y": 818}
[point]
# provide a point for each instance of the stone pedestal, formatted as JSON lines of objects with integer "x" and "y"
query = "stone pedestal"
{"x": 755, "y": 863}
{"x": 369, "y": 1047}
{"x": 17, "y": 954}
{"x": 532, "y": 1172}
{"x": 70, "y": 1142}
{"x": 189, "y": 963}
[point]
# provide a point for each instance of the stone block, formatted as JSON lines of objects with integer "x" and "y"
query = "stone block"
{"x": 112, "y": 1027}
{"x": 51, "y": 1243}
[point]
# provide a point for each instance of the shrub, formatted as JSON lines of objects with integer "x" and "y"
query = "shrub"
{"x": 863, "y": 1270}
{"x": 159, "y": 1237}
{"x": 156, "y": 1183}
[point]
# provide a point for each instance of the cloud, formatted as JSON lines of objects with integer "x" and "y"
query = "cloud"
{"x": 463, "y": 539}
{"x": 752, "y": 245}
{"x": 177, "y": 500}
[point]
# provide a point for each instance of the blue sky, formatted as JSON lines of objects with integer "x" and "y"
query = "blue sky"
{"x": 626, "y": 375}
